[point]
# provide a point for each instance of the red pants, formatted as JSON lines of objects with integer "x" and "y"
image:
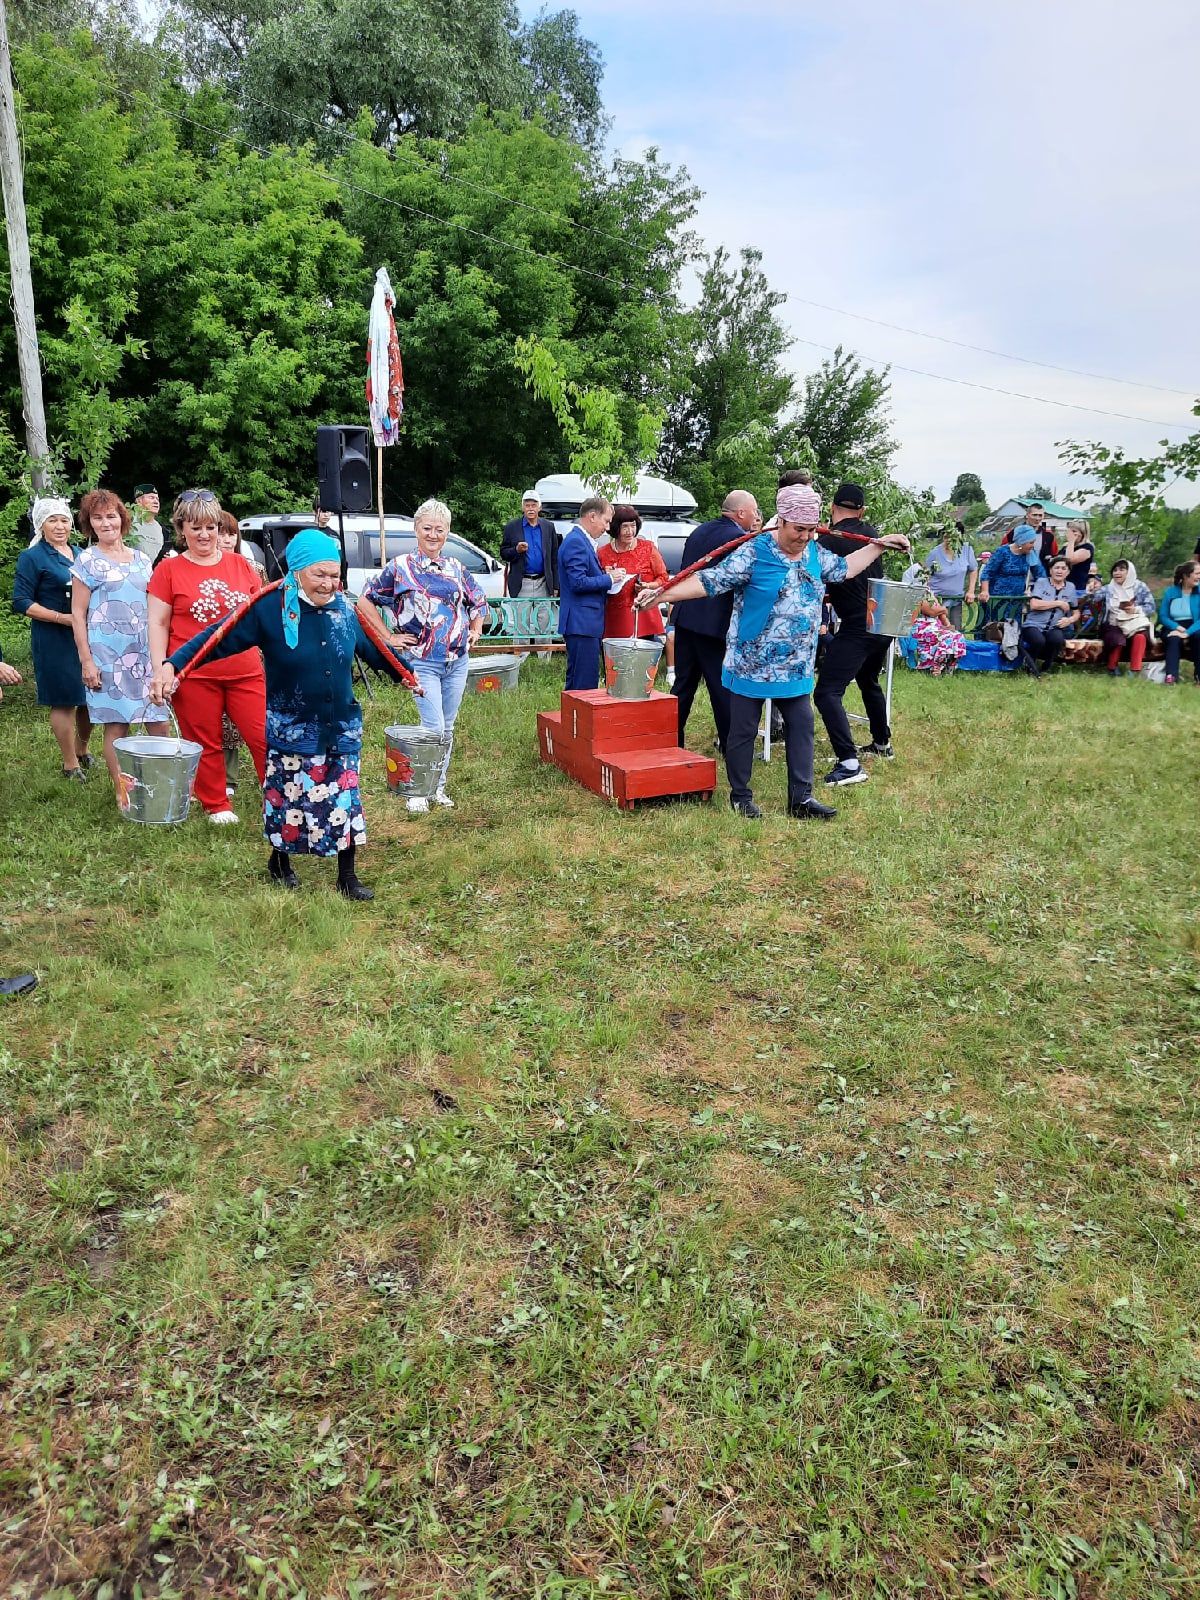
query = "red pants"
{"x": 198, "y": 705}
{"x": 1115, "y": 642}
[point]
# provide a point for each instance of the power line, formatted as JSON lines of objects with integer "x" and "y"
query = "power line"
{"x": 617, "y": 283}
{"x": 583, "y": 228}
{"x": 985, "y": 350}
{"x": 1013, "y": 394}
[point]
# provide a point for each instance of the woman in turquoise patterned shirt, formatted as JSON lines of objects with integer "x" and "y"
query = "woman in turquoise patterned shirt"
{"x": 778, "y": 582}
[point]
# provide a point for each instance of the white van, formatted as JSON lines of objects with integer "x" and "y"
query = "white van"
{"x": 362, "y": 546}
{"x": 668, "y": 512}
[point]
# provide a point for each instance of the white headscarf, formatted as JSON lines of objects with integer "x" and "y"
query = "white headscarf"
{"x": 42, "y": 510}
{"x": 1123, "y": 591}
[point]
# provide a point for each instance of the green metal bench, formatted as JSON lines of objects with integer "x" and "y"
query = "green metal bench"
{"x": 520, "y": 626}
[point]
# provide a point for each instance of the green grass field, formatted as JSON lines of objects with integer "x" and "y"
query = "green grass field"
{"x": 625, "y": 1205}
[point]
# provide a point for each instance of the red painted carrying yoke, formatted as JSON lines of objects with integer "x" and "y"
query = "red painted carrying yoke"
{"x": 369, "y": 626}
{"x": 734, "y": 544}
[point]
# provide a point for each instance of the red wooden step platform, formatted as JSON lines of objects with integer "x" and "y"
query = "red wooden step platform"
{"x": 624, "y": 750}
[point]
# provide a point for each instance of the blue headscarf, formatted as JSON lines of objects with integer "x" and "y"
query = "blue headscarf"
{"x": 303, "y": 550}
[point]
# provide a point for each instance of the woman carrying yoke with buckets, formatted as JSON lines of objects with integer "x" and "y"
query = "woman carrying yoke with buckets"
{"x": 778, "y": 580}
{"x": 309, "y": 635}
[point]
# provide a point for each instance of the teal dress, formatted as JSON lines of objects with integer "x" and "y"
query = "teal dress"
{"x": 44, "y": 578}
{"x": 118, "y": 636}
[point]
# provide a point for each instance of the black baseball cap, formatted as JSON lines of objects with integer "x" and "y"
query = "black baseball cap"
{"x": 850, "y": 496}
{"x": 143, "y": 488}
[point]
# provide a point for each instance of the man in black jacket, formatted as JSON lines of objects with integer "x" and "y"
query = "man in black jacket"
{"x": 529, "y": 546}
{"x": 852, "y": 654}
{"x": 701, "y": 625}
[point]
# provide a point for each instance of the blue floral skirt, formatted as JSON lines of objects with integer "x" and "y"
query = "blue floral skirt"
{"x": 312, "y": 804}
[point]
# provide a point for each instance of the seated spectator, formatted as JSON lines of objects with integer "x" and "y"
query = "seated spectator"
{"x": 1128, "y": 618}
{"x": 1179, "y": 614}
{"x": 953, "y": 570}
{"x": 940, "y": 645}
{"x": 1051, "y": 619}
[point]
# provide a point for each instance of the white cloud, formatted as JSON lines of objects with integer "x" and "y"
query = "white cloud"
{"x": 1020, "y": 177}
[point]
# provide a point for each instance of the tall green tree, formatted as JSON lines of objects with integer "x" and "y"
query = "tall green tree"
{"x": 845, "y": 417}
{"x": 967, "y": 490}
{"x": 730, "y": 426}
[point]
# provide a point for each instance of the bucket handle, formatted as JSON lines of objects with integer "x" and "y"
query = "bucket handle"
{"x": 167, "y": 707}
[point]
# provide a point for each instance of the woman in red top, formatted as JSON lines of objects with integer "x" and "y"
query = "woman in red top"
{"x": 202, "y": 584}
{"x": 641, "y": 558}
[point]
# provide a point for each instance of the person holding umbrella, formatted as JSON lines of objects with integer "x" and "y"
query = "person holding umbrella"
{"x": 309, "y": 635}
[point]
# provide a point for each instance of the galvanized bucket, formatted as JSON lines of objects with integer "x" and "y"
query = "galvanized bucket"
{"x": 629, "y": 667}
{"x": 415, "y": 757}
{"x": 487, "y": 674}
{"x": 157, "y": 774}
{"x": 893, "y": 608}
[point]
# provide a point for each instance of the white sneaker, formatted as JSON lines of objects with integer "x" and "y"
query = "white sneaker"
{"x": 222, "y": 819}
{"x": 443, "y": 799}
{"x": 417, "y": 804}
{"x": 229, "y": 791}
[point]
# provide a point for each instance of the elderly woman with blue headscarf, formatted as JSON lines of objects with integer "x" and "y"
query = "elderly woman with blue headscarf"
{"x": 309, "y": 636}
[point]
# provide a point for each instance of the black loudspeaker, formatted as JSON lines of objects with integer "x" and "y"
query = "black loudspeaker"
{"x": 344, "y": 469}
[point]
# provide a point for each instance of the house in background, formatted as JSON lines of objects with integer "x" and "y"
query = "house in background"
{"x": 1013, "y": 511}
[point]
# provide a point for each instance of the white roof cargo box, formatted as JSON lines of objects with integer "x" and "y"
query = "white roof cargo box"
{"x": 563, "y": 493}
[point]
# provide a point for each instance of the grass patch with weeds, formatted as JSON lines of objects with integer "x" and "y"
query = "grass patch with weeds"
{"x": 643, "y": 1205}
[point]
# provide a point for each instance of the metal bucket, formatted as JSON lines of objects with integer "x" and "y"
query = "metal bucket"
{"x": 157, "y": 774}
{"x": 629, "y": 667}
{"x": 893, "y": 608}
{"x": 415, "y": 757}
{"x": 486, "y": 674}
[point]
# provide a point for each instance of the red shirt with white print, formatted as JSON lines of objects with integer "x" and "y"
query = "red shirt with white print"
{"x": 199, "y": 596}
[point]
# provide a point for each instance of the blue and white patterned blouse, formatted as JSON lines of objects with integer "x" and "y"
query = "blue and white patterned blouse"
{"x": 772, "y": 641}
{"x": 433, "y": 599}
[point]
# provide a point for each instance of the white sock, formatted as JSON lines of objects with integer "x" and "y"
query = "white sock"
{"x": 851, "y": 764}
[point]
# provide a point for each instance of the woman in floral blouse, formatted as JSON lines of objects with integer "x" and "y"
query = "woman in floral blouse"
{"x": 440, "y": 611}
{"x": 778, "y": 581}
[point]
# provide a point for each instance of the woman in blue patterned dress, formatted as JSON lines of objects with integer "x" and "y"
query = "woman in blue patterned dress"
{"x": 440, "y": 611}
{"x": 778, "y": 582}
{"x": 42, "y": 592}
{"x": 111, "y": 622}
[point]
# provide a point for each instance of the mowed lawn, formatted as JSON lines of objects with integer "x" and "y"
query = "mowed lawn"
{"x": 624, "y": 1205}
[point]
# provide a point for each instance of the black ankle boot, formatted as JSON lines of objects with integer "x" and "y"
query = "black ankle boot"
{"x": 347, "y": 882}
{"x": 280, "y": 870}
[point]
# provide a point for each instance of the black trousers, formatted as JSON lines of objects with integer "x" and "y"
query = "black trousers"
{"x": 1176, "y": 649}
{"x": 852, "y": 657}
{"x": 698, "y": 658}
{"x": 744, "y": 715}
{"x": 583, "y": 660}
{"x": 1043, "y": 645}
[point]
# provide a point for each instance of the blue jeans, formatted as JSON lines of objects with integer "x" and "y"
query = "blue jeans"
{"x": 444, "y": 683}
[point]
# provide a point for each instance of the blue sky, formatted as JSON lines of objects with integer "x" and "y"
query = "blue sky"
{"x": 1021, "y": 176}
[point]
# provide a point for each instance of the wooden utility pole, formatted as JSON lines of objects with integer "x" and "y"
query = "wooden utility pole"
{"x": 36, "y": 441}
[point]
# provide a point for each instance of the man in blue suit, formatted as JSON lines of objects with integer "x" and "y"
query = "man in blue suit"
{"x": 583, "y": 585}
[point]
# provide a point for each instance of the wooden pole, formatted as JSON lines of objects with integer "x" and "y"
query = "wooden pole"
{"x": 36, "y": 441}
{"x": 382, "y": 527}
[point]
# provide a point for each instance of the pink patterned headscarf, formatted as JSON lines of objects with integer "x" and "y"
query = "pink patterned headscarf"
{"x": 798, "y": 503}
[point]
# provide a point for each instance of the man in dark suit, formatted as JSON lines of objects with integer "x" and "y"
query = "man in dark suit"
{"x": 701, "y": 625}
{"x": 584, "y": 584}
{"x": 529, "y": 548}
